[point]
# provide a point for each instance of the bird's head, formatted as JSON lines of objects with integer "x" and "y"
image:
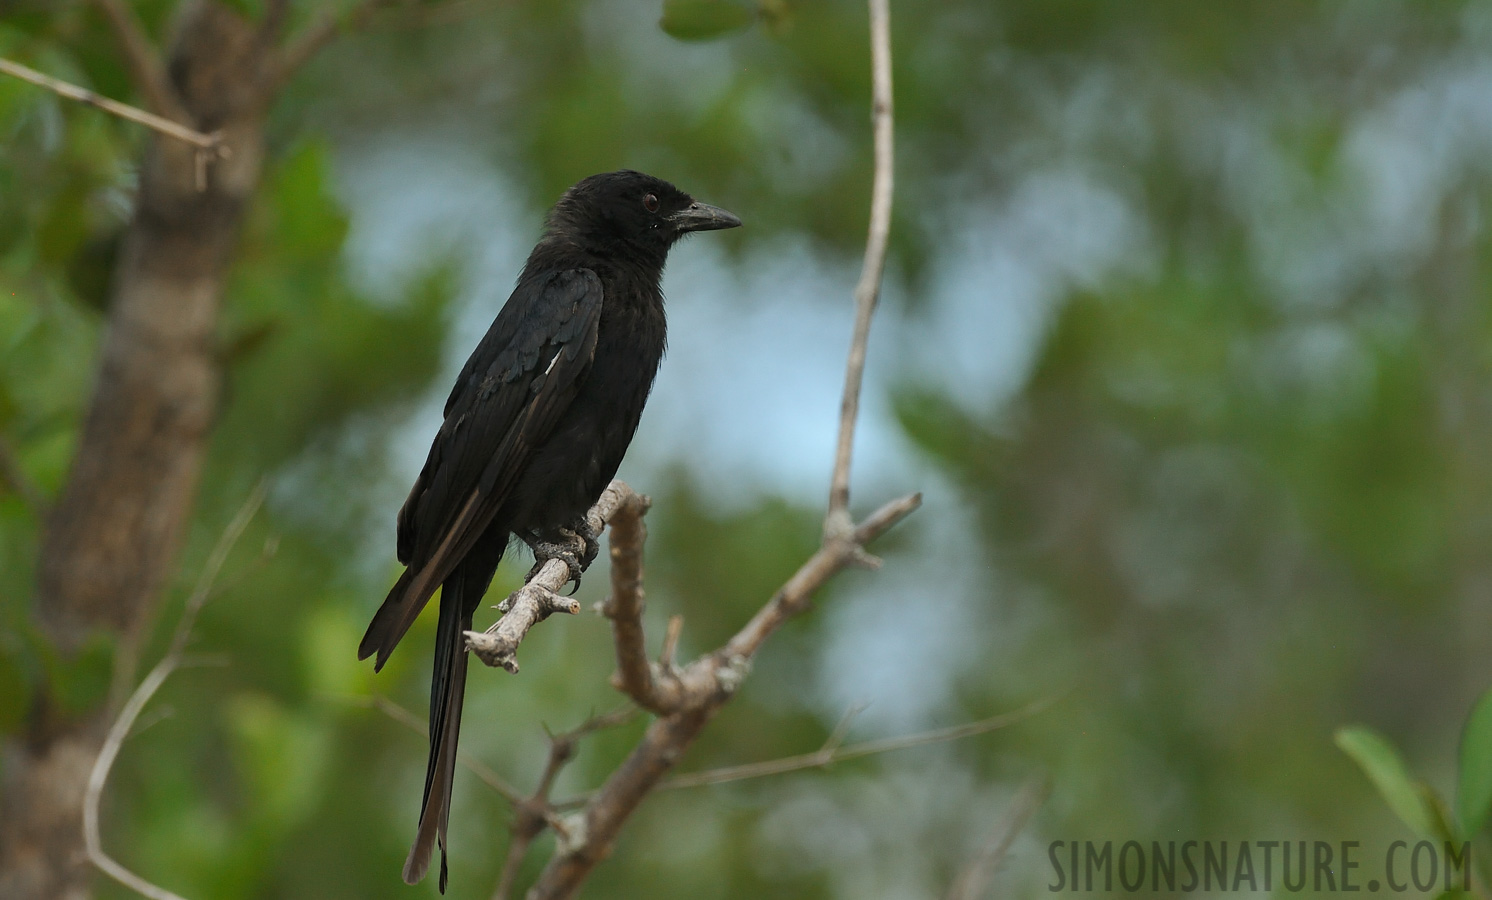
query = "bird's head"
{"x": 630, "y": 211}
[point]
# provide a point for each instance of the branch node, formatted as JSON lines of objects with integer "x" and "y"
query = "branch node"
{"x": 860, "y": 559}
{"x": 571, "y": 836}
{"x": 732, "y": 671}
{"x": 838, "y": 525}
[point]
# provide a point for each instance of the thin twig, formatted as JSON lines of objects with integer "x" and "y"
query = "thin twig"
{"x": 126, "y": 655}
{"x": 832, "y": 752}
{"x": 404, "y": 717}
{"x": 868, "y": 291}
{"x": 144, "y": 62}
{"x": 208, "y": 142}
{"x": 975, "y": 877}
{"x": 99, "y": 776}
{"x": 670, "y": 642}
{"x": 830, "y": 559}
{"x": 601, "y": 722}
{"x": 536, "y": 813}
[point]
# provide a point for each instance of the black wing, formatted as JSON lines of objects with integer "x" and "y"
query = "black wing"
{"x": 509, "y": 396}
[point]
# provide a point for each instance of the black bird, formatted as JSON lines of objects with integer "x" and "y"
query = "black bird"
{"x": 534, "y": 429}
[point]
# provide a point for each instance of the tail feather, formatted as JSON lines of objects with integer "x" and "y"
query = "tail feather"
{"x": 445, "y": 731}
{"x": 392, "y": 620}
{"x": 459, "y": 598}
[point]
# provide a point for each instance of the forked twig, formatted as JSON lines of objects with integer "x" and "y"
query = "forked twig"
{"x": 536, "y": 813}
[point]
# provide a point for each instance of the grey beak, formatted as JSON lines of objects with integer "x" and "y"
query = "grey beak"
{"x": 703, "y": 217}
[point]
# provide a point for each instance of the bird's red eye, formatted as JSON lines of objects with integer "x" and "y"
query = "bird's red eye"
{"x": 650, "y": 202}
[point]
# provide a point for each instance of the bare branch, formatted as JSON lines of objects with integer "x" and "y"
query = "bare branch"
{"x": 322, "y": 32}
{"x": 209, "y": 142}
{"x": 99, "y": 776}
{"x": 143, "y": 60}
{"x": 13, "y": 476}
{"x": 972, "y": 881}
{"x": 703, "y": 687}
{"x": 619, "y": 716}
{"x": 625, "y": 604}
{"x": 868, "y": 290}
{"x": 653, "y": 687}
{"x": 832, "y": 557}
{"x": 535, "y": 813}
{"x": 537, "y": 599}
{"x": 524, "y": 608}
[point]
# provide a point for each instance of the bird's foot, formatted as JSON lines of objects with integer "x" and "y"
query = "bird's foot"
{"x": 575, "y": 547}
{"x": 589, "y": 536}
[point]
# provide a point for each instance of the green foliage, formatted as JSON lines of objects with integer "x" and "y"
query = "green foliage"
{"x": 15, "y": 686}
{"x": 1474, "y": 788}
{"x": 79, "y": 682}
{"x": 1415, "y": 802}
{"x": 282, "y": 759}
{"x": 1381, "y": 763}
{"x": 703, "y": 20}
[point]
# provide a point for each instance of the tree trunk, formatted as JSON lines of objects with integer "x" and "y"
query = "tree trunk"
{"x": 114, "y": 536}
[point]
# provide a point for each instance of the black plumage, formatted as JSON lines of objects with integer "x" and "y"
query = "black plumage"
{"x": 534, "y": 429}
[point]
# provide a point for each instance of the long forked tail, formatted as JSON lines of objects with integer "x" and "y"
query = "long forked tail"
{"x": 459, "y": 598}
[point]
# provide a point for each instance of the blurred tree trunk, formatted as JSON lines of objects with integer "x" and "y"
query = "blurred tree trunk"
{"x": 114, "y": 536}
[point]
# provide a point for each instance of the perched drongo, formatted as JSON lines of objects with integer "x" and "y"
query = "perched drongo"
{"x": 534, "y": 429}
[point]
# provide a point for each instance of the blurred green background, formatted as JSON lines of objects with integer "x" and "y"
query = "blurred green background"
{"x": 1186, "y": 338}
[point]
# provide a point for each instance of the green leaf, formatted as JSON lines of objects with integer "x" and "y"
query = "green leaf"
{"x": 79, "y": 684}
{"x": 1474, "y": 792}
{"x": 703, "y": 20}
{"x": 330, "y": 671}
{"x": 309, "y": 222}
{"x": 1381, "y": 763}
{"x": 281, "y": 757}
{"x": 1445, "y": 826}
{"x": 15, "y": 689}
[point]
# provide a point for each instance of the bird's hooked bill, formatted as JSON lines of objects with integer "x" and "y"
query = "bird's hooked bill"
{"x": 704, "y": 217}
